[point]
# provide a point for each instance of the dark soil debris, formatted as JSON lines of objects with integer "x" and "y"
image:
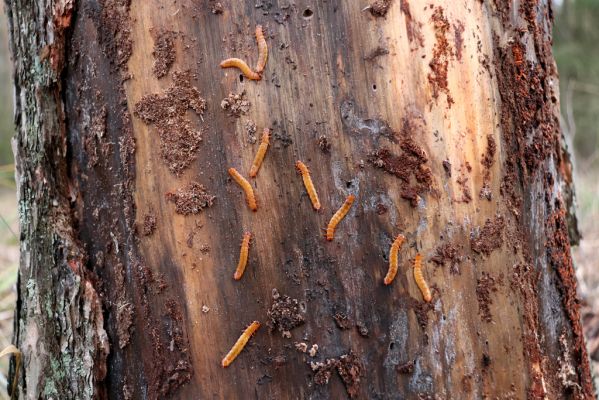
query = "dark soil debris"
{"x": 179, "y": 142}
{"x": 406, "y": 368}
{"x": 484, "y": 287}
{"x": 409, "y": 166}
{"x": 164, "y": 53}
{"x": 324, "y": 144}
{"x": 284, "y": 313}
{"x": 381, "y": 209}
{"x": 149, "y": 225}
{"x": 235, "y": 104}
{"x": 490, "y": 237}
{"x": 342, "y": 320}
{"x": 124, "y": 317}
{"x": 447, "y": 168}
{"x": 349, "y": 367}
{"x": 441, "y": 55}
{"x": 377, "y": 52}
{"x": 190, "y": 199}
{"x": 415, "y": 36}
{"x": 379, "y": 8}
{"x": 447, "y": 254}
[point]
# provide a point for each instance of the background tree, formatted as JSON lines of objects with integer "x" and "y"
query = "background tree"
{"x": 441, "y": 119}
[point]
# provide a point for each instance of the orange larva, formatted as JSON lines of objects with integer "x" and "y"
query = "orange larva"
{"x": 338, "y": 216}
{"x": 262, "y": 50}
{"x": 260, "y": 154}
{"x": 240, "y": 343}
{"x": 301, "y": 167}
{"x": 419, "y": 278}
{"x": 393, "y": 259}
{"x": 243, "y": 256}
{"x": 247, "y": 188}
{"x": 243, "y": 67}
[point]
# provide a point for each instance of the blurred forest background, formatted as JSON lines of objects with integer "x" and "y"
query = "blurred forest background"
{"x": 576, "y": 43}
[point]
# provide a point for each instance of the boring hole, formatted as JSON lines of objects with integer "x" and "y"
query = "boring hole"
{"x": 374, "y": 87}
{"x": 240, "y": 77}
{"x": 307, "y": 13}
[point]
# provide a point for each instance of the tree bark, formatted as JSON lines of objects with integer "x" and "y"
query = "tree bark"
{"x": 442, "y": 120}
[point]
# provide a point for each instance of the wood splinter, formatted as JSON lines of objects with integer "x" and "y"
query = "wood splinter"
{"x": 338, "y": 216}
{"x": 393, "y": 259}
{"x": 261, "y": 153}
{"x": 243, "y": 256}
{"x": 419, "y": 278}
{"x": 247, "y": 188}
{"x": 301, "y": 167}
{"x": 240, "y": 343}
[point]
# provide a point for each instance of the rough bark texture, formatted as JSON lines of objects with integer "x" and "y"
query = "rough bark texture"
{"x": 440, "y": 118}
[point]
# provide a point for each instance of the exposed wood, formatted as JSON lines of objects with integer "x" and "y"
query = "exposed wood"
{"x": 441, "y": 118}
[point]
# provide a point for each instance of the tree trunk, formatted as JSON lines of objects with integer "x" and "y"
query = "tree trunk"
{"x": 441, "y": 118}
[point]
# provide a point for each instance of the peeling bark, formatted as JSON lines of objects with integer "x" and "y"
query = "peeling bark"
{"x": 120, "y": 296}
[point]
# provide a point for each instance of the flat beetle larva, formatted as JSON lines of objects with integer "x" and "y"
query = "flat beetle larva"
{"x": 260, "y": 154}
{"x": 393, "y": 259}
{"x": 338, "y": 216}
{"x": 240, "y": 343}
{"x": 243, "y": 67}
{"x": 247, "y": 188}
{"x": 262, "y": 49}
{"x": 243, "y": 256}
{"x": 301, "y": 167}
{"x": 419, "y": 278}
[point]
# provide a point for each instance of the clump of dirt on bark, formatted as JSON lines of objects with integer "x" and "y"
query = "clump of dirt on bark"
{"x": 409, "y": 167}
{"x": 164, "y": 53}
{"x": 349, "y": 367}
{"x": 149, "y": 225}
{"x": 95, "y": 143}
{"x": 490, "y": 236}
{"x": 179, "y": 142}
{"x": 376, "y": 52}
{"x": 485, "y": 285}
{"x": 115, "y": 32}
{"x": 413, "y": 31}
{"x": 284, "y": 314}
{"x": 421, "y": 309}
{"x": 441, "y": 55}
{"x": 235, "y": 104}
{"x": 190, "y": 199}
{"x": 323, "y": 143}
{"x": 250, "y": 128}
{"x": 458, "y": 30}
{"x": 124, "y": 310}
{"x": 447, "y": 254}
{"x": 379, "y": 8}
{"x": 462, "y": 181}
{"x": 487, "y": 161}
{"x": 406, "y": 368}
{"x": 124, "y": 317}
{"x": 342, "y": 320}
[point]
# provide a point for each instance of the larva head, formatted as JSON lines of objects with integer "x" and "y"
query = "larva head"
{"x": 418, "y": 260}
{"x": 265, "y": 135}
{"x": 259, "y": 31}
{"x": 301, "y": 167}
{"x": 351, "y": 198}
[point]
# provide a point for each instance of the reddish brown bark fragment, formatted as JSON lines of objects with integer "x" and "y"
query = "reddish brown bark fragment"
{"x": 190, "y": 199}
